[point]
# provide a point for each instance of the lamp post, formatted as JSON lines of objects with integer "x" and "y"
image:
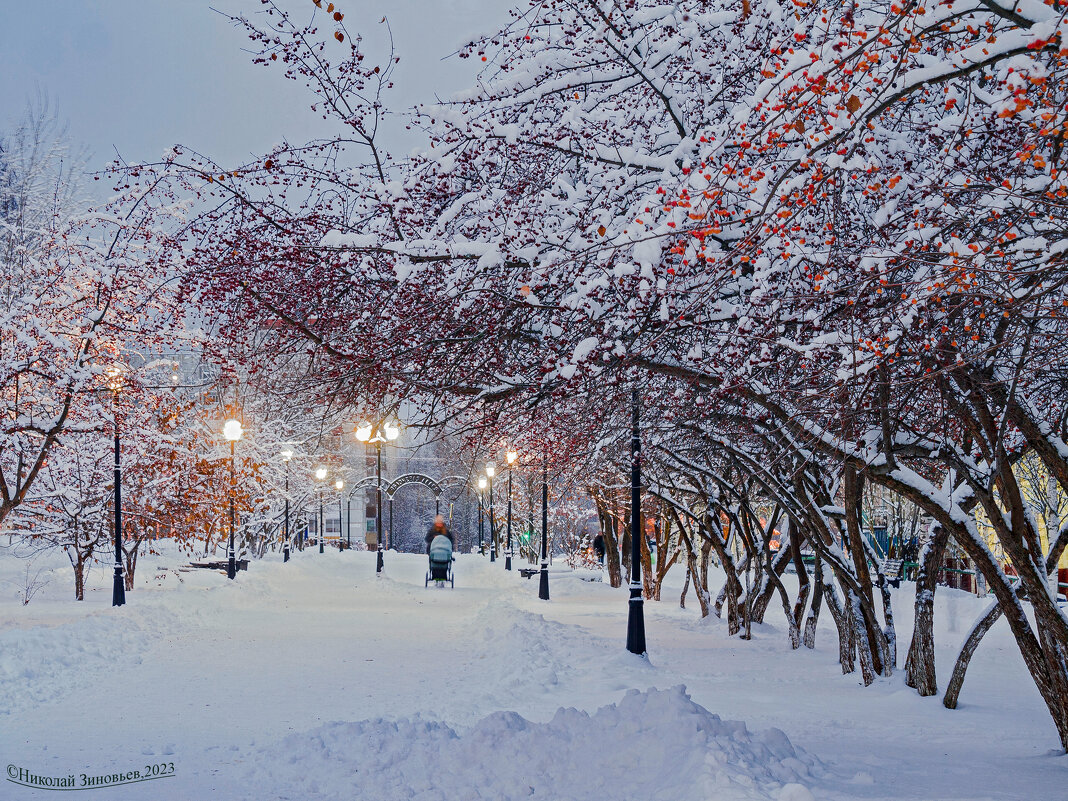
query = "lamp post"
{"x": 481, "y": 505}
{"x": 320, "y": 475}
{"x": 232, "y": 431}
{"x": 543, "y": 579}
{"x": 509, "y": 457}
{"x": 339, "y": 485}
{"x": 118, "y": 591}
{"x": 286, "y": 456}
{"x": 490, "y": 470}
{"x": 636, "y": 615}
{"x": 386, "y": 432}
{"x": 348, "y": 525}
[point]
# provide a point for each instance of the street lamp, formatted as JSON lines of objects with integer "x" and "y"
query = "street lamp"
{"x": 510, "y": 457}
{"x": 636, "y": 615}
{"x": 366, "y": 432}
{"x": 232, "y": 431}
{"x": 286, "y": 456}
{"x": 118, "y": 592}
{"x": 339, "y": 485}
{"x": 320, "y": 475}
{"x": 490, "y": 470}
{"x": 543, "y": 579}
{"x": 481, "y": 505}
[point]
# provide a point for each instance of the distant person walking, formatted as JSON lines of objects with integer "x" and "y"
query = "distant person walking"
{"x": 598, "y": 547}
{"x": 438, "y": 529}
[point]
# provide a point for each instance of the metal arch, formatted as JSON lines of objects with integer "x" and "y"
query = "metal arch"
{"x": 412, "y": 478}
{"x": 449, "y": 480}
{"x": 363, "y": 483}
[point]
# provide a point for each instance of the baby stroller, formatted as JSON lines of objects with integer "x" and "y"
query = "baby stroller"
{"x": 440, "y": 562}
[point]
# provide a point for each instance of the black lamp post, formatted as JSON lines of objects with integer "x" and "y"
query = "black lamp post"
{"x": 348, "y": 526}
{"x": 320, "y": 475}
{"x": 510, "y": 457}
{"x": 481, "y": 504}
{"x": 490, "y": 470}
{"x": 339, "y": 485}
{"x": 118, "y": 591}
{"x": 543, "y": 584}
{"x": 232, "y": 431}
{"x": 286, "y": 456}
{"x": 636, "y": 615}
{"x": 385, "y": 432}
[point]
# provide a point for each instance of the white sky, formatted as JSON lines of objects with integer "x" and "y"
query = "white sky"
{"x": 141, "y": 75}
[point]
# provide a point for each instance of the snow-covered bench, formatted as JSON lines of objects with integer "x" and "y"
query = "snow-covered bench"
{"x": 892, "y": 569}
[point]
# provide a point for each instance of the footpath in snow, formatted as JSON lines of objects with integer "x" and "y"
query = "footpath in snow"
{"x": 317, "y": 679}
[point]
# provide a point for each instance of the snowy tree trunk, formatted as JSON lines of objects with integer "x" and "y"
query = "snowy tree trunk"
{"x": 817, "y": 600}
{"x": 767, "y": 589}
{"x": 611, "y": 550}
{"x": 975, "y": 636}
{"x": 130, "y": 558}
{"x": 847, "y": 640}
{"x": 864, "y": 645}
{"x": 920, "y": 663}
{"x": 648, "y": 578}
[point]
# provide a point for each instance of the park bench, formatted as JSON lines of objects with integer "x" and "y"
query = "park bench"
{"x": 222, "y": 564}
{"x": 892, "y": 569}
{"x": 527, "y": 572}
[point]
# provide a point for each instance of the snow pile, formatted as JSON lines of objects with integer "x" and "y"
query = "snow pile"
{"x": 655, "y": 745}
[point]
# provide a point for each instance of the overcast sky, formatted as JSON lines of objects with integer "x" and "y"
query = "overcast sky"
{"x": 141, "y": 75}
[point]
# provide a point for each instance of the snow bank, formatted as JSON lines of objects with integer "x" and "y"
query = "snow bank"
{"x": 655, "y": 745}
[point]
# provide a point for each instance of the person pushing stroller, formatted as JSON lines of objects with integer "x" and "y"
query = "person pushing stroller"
{"x": 439, "y": 544}
{"x": 438, "y": 529}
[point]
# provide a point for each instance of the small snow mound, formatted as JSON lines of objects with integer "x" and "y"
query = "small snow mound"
{"x": 670, "y": 746}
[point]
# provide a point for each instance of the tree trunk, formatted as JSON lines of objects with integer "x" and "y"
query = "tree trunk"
{"x": 130, "y": 554}
{"x": 611, "y": 551}
{"x": 847, "y": 641}
{"x": 763, "y": 595}
{"x": 648, "y": 579}
{"x": 920, "y": 663}
{"x": 817, "y": 600}
{"x": 79, "y": 578}
{"x": 981, "y": 627}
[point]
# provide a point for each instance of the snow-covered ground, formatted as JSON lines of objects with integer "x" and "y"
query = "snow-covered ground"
{"x": 315, "y": 679}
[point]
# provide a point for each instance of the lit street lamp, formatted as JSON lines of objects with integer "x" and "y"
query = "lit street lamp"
{"x": 510, "y": 457}
{"x": 481, "y": 505}
{"x": 339, "y": 485}
{"x": 118, "y": 591}
{"x": 490, "y": 470}
{"x": 365, "y": 432}
{"x": 232, "y": 431}
{"x": 286, "y": 456}
{"x": 320, "y": 475}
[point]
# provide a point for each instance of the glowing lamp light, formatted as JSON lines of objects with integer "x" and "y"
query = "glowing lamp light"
{"x": 363, "y": 431}
{"x": 511, "y": 456}
{"x": 490, "y": 469}
{"x": 320, "y": 473}
{"x": 339, "y": 484}
{"x": 232, "y": 430}
{"x": 481, "y": 482}
{"x": 114, "y": 374}
{"x": 392, "y": 431}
